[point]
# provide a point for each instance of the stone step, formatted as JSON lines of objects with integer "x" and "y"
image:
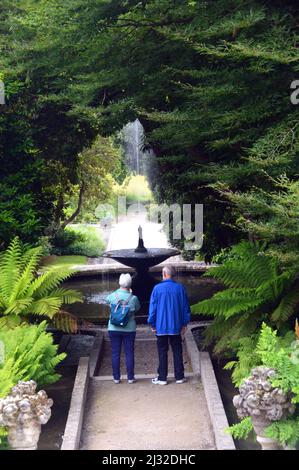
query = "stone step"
{"x": 138, "y": 377}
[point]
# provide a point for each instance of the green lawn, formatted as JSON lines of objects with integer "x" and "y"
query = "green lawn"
{"x": 65, "y": 260}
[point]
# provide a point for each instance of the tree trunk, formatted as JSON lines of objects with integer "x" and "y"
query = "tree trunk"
{"x": 77, "y": 211}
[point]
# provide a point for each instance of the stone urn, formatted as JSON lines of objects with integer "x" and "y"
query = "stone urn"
{"x": 264, "y": 403}
{"x": 22, "y": 413}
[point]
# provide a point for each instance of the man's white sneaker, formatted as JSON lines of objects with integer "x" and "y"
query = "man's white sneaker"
{"x": 116, "y": 381}
{"x": 131, "y": 381}
{"x": 156, "y": 381}
{"x": 181, "y": 381}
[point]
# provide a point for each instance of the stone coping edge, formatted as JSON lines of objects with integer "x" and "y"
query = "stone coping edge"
{"x": 73, "y": 428}
{"x": 203, "y": 369}
{"x": 86, "y": 370}
{"x": 192, "y": 351}
{"x": 117, "y": 268}
{"x": 95, "y": 353}
{"x": 215, "y": 406}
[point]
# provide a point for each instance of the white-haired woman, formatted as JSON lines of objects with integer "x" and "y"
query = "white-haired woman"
{"x": 123, "y": 334}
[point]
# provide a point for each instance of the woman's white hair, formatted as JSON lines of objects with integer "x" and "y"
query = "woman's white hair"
{"x": 125, "y": 280}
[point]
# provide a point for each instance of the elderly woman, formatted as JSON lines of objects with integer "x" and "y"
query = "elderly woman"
{"x": 123, "y": 333}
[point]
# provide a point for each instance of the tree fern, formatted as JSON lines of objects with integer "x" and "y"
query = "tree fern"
{"x": 228, "y": 303}
{"x": 67, "y": 322}
{"x": 27, "y": 269}
{"x": 287, "y": 306}
{"x": 256, "y": 291}
{"x": 251, "y": 271}
{"x": 23, "y": 293}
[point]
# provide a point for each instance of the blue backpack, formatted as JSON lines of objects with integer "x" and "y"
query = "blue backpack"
{"x": 120, "y": 313}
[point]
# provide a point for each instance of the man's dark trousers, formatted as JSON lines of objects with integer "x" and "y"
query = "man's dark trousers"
{"x": 177, "y": 350}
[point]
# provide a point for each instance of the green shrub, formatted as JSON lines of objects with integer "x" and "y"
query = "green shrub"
{"x": 285, "y": 431}
{"x": 135, "y": 188}
{"x": 45, "y": 244}
{"x": 241, "y": 430}
{"x": 63, "y": 240}
{"x": 78, "y": 240}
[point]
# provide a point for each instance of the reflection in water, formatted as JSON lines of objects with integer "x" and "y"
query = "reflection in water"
{"x": 95, "y": 291}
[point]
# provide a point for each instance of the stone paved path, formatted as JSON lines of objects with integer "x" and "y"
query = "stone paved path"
{"x": 146, "y": 416}
{"x": 143, "y": 415}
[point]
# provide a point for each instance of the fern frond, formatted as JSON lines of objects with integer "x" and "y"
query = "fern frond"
{"x": 271, "y": 290}
{"x": 287, "y": 305}
{"x": 228, "y": 303}
{"x": 10, "y": 267}
{"x": 254, "y": 287}
{"x": 66, "y": 322}
{"x": 28, "y": 265}
{"x": 46, "y": 306}
{"x": 17, "y": 307}
{"x": 241, "y": 430}
{"x": 49, "y": 280}
{"x": 68, "y": 296}
{"x": 248, "y": 272}
{"x": 285, "y": 431}
{"x": 29, "y": 354}
{"x": 10, "y": 321}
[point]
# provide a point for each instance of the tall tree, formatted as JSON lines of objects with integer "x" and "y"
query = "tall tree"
{"x": 209, "y": 81}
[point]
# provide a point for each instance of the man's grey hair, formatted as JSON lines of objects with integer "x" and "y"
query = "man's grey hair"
{"x": 169, "y": 271}
{"x": 125, "y": 280}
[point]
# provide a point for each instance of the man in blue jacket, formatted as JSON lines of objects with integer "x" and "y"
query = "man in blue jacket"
{"x": 169, "y": 314}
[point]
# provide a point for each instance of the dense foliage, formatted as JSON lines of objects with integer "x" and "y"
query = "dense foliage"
{"x": 210, "y": 83}
{"x": 45, "y": 155}
{"x": 209, "y": 80}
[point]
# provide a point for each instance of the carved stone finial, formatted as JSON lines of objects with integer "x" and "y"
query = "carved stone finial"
{"x": 258, "y": 396}
{"x": 263, "y": 402}
{"x": 23, "y": 412}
